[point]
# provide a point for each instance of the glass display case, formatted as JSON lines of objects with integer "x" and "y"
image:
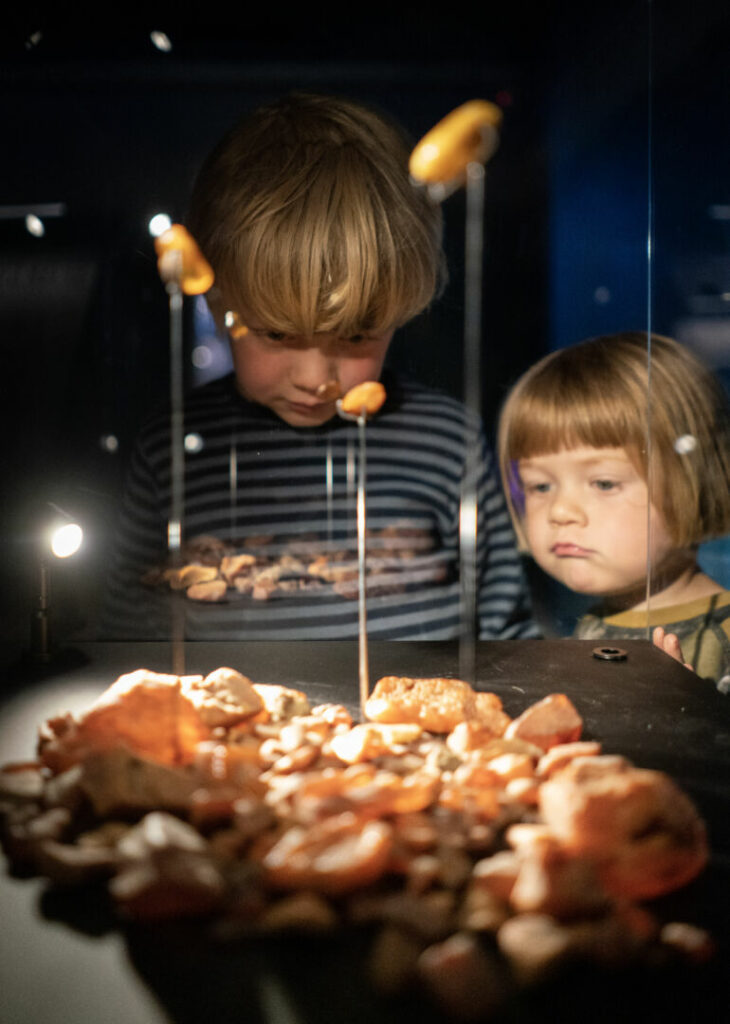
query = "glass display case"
{"x": 218, "y": 531}
{"x": 604, "y": 211}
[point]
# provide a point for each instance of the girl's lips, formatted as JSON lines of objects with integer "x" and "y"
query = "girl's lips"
{"x": 565, "y": 550}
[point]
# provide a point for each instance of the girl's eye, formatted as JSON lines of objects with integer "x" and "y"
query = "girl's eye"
{"x": 605, "y": 485}
{"x": 537, "y": 488}
{"x": 274, "y": 335}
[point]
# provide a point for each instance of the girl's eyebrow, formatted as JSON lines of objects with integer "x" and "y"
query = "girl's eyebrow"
{"x": 532, "y": 461}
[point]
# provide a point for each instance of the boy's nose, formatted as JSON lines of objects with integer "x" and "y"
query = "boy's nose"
{"x": 312, "y": 368}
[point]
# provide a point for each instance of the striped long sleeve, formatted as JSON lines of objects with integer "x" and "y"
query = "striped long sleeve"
{"x": 286, "y": 499}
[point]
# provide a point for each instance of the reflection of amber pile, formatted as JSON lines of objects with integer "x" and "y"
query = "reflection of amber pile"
{"x": 489, "y": 850}
{"x": 213, "y": 570}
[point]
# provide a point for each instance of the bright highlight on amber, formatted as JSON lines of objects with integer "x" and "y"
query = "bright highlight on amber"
{"x": 179, "y": 258}
{"x": 235, "y": 328}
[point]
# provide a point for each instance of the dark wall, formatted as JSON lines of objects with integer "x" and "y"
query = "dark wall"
{"x": 96, "y": 118}
{"x": 102, "y": 122}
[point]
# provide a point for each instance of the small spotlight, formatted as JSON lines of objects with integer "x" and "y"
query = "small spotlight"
{"x": 161, "y": 41}
{"x": 685, "y": 444}
{"x": 34, "y": 225}
{"x": 201, "y": 357}
{"x": 109, "y": 443}
{"x": 193, "y": 443}
{"x": 33, "y": 39}
{"x": 66, "y": 540}
{"x": 159, "y": 224}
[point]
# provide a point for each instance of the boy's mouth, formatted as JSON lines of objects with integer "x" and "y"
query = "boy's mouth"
{"x": 308, "y": 408}
{"x": 307, "y": 413}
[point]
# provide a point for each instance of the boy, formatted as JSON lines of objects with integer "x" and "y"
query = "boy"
{"x": 321, "y": 248}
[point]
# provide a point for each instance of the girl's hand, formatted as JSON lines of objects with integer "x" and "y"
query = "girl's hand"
{"x": 669, "y": 643}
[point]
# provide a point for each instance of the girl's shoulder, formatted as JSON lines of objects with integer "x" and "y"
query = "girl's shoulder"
{"x": 711, "y": 607}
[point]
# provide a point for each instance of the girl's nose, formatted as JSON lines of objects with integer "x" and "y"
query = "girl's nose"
{"x": 566, "y": 509}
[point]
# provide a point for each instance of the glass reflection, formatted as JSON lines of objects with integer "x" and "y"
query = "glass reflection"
{"x": 614, "y": 135}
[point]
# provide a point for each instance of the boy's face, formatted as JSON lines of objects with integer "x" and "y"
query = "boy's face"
{"x": 284, "y": 372}
{"x": 587, "y": 515}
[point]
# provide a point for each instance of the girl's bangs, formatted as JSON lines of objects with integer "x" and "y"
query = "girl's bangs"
{"x": 540, "y": 427}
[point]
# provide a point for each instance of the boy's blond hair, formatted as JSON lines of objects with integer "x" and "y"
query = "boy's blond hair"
{"x": 654, "y": 399}
{"x": 307, "y": 215}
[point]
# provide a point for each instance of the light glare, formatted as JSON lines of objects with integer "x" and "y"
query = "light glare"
{"x": 109, "y": 442}
{"x": 161, "y": 40}
{"x": 34, "y": 225}
{"x": 193, "y": 443}
{"x": 66, "y": 540}
{"x": 201, "y": 357}
{"x": 159, "y": 224}
{"x": 685, "y": 444}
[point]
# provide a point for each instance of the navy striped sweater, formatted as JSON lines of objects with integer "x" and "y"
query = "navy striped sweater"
{"x": 286, "y": 498}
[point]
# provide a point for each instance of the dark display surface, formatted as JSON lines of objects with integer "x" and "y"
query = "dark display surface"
{"x": 63, "y": 958}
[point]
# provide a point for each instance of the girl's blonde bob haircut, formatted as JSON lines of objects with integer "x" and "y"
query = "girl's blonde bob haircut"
{"x": 308, "y": 217}
{"x": 650, "y": 396}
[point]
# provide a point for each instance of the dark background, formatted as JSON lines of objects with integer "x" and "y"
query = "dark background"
{"x": 615, "y": 130}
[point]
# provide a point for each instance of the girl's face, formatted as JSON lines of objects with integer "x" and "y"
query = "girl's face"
{"x": 283, "y": 372}
{"x": 587, "y": 516}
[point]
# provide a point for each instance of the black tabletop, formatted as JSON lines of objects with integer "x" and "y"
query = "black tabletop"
{"x": 62, "y": 959}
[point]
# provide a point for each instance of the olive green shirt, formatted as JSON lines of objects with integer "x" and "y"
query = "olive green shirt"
{"x": 702, "y": 625}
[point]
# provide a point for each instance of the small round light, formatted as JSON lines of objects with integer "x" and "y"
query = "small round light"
{"x": 159, "y": 224}
{"x": 66, "y": 540}
{"x": 109, "y": 443}
{"x": 685, "y": 444}
{"x": 602, "y": 295}
{"x": 161, "y": 41}
{"x": 193, "y": 443}
{"x": 34, "y": 226}
{"x": 201, "y": 357}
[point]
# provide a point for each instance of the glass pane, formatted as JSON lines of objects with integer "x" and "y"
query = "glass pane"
{"x": 605, "y": 210}
{"x": 691, "y": 302}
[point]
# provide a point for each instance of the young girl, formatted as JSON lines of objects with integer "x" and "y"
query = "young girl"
{"x": 616, "y": 466}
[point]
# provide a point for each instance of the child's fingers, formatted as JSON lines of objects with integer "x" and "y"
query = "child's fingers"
{"x": 669, "y": 643}
{"x": 657, "y": 637}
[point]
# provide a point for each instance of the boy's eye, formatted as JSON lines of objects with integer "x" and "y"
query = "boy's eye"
{"x": 605, "y": 485}
{"x": 274, "y": 335}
